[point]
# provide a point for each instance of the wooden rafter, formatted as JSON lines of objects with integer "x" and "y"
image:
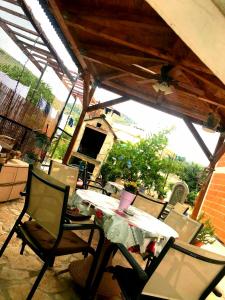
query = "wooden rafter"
{"x": 107, "y": 103}
{"x": 60, "y": 19}
{"x": 20, "y": 45}
{"x": 146, "y": 100}
{"x": 119, "y": 66}
{"x": 198, "y": 139}
{"x": 91, "y": 28}
{"x": 13, "y": 12}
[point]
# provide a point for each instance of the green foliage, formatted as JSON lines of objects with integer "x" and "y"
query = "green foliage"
{"x": 130, "y": 186}
{"x": 191, "y": 173}
{"x": 75, "y": 114}
{"x": 27, "y": 78}
{"x": 141, "y": 162}
{"x": 207, "y": 233}
{"x": 61, "y": 148}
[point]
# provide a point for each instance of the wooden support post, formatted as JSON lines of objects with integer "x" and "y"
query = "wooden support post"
{"x": 219, "y": 151}
{"x": 108, "y": 103}
{"x": 198, "y": 139}
{"x": 87, "y": 93}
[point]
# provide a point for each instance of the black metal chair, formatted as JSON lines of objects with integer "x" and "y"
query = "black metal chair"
{"x": 46, "y": 232}
{"x": 151, "y": 206}
{"x": 181, "y": 271}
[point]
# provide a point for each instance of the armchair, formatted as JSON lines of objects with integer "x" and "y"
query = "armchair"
{"x": 186, "y": 227}
{"x": 151, "y": 206}
{"x": 181, "y": 271}
{"x": 46, "y": 232}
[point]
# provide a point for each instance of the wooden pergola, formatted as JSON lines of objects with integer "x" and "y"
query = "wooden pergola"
{"x": 126, "y": 47}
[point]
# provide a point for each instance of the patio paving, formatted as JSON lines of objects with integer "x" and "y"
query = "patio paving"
{"x": 18, "y": 272}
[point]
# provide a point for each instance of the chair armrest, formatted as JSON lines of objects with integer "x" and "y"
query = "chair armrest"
{"x": 78, "y": 226}
{"x": 23, "y": 194}
{"x": 134, "y": 264}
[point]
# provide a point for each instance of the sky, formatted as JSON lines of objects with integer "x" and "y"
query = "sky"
{"x": 151, "y": 120}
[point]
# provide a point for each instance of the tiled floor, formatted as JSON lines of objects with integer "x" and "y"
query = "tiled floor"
{"x": 18, "y": 272}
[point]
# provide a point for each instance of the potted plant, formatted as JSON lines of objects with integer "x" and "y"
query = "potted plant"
{"x": 206, "y": 234}
{"x": 128, "y": 194}
{"x": 130, "y": 186}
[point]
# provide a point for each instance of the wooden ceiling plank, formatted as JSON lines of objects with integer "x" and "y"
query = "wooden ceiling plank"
{"x": 203, "y": 79}
{"x": 118, "y": 50}
{"x": 90, "y": 29}
{"x": 102, "y": 15}
{"x": 119, "y": 66}
{"x": 108, "y": 103}
{"x": 67, "y": 33}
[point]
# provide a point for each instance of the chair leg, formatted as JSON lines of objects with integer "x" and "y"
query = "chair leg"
{"x": 37, "y": 281}
{"x": 8, "y": 238}
{"x": 89, "y": 242}
{"x": 22, "y": 248}
{"x": 51, "y": 262}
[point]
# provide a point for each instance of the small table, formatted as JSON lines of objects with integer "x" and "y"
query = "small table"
{"x": 140, "y": 228}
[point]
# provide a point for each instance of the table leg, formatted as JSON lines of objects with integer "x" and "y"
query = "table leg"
{"x": 79, "y": 270}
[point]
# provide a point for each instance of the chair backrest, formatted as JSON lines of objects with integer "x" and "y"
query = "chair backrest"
{"x": 186, "y": 227}
{"x": 179, "y": 193}
{"x": 185, "y": 272}
{"x": 153, "y": 207}
{"x": 95, "y": 186}
{"x": 181, "y": 208}
{"x": 65, "y": 174}
{"x": 46, "y": 201}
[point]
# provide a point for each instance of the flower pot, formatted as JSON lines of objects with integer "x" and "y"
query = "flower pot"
{"x": 198, "y": 243}
{"x": 126, "y": 198}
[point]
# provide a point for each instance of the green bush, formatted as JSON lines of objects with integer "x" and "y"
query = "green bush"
{"x": 29, "y": 79}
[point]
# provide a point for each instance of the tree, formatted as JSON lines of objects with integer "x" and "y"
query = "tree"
{"x": 141, "y": 162}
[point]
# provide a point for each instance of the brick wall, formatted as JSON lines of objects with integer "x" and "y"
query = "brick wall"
{"x": 214, "y": 202}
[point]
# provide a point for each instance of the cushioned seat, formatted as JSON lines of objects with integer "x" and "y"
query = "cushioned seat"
{"x": 69, "y": 243}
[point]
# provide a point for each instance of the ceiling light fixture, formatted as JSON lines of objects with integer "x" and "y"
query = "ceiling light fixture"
{"x": 163, "y": 87}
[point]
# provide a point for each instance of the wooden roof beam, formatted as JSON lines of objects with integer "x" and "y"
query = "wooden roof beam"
{"x": 34, "y": 48}
{"x": 103, "y": 33}
{"x": 108, "y": 103}
{"x": 21, "y": 46}
{"x": 19, "y": 27}
{"x": 152, "y": 102}
{"x": 219, "y": 86}
{"x": 119, "y": 66}
{"x": 101, "y": 14}
{"x": 60, "y": 20}
{"x": 28, "y": 38}
{"x": 198, "y": 138}
{"x": 12, "y": 2}
{"x": 13, "y": 12}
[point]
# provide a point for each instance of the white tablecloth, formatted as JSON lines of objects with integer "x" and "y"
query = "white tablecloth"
{"x": 138, "y": 229}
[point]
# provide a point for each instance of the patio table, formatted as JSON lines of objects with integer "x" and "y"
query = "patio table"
{"x": 140, "y": 228}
